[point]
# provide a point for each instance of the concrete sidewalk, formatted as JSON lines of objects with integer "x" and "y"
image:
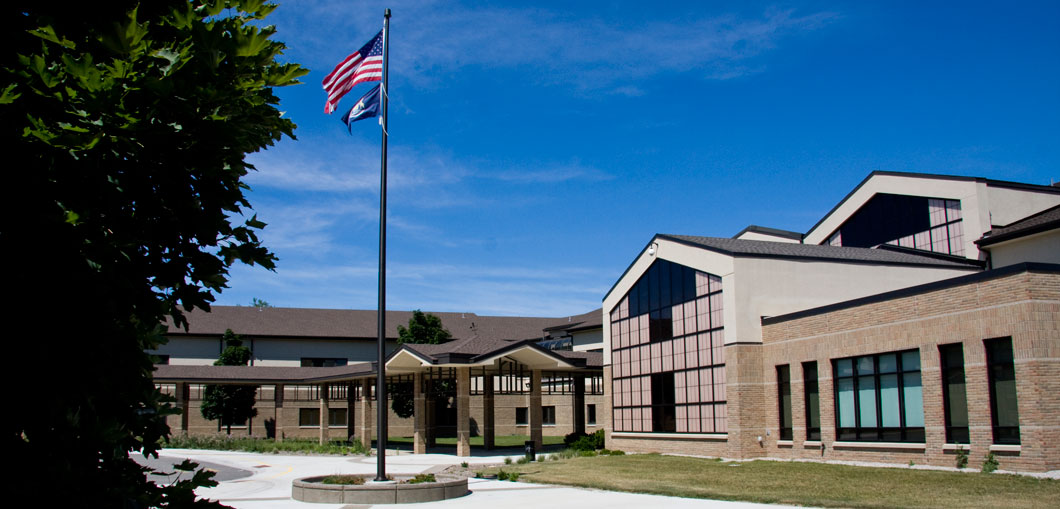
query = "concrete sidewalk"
{"x": 270, "y": 485}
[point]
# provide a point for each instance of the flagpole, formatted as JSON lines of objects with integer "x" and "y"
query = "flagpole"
{"x": 380, "y": 381}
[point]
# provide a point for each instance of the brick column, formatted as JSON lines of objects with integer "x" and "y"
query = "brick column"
{"x": 419, "y": 415}
{"x": 488, "y": 404}
{"x": 745, "y": 394}
{"x": 277, "y": 411}
{"x": 463, "y": 411}
{"x": 324, "y": 413}
{"x": 366, "y": 414}
{"x": 578, "y": 415}
{"x": 534, "y": 408}
{"x": 351, "y": 402}
{"x": 183, "y": 399}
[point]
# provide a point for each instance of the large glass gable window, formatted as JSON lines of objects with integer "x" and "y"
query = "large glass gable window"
{"x": 930, "y": 224}
{"x": 667, "y": 348}
{"x": 879, "y": 398}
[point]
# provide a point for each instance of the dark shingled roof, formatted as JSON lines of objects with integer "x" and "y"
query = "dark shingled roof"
{"x": 768, "y": 249}
{"x": 261, "y": 374}
{"x": 765, "y": 230}
{"x": 591, "y": 320}
{"x": 1048, "y": 219}
{"x": 346, "y": 323}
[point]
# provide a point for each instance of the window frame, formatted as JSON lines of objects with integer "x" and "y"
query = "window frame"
{"x": 1002, "y": 435}
{"x": 954, "y": 434}
{"x": 878, "y": 433}
{"x": 786, "y": 428}
{"x": 525, "y": 421}
{"x": 811, "y": 390}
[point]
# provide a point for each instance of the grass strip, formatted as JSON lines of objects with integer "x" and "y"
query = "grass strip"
{"x": 797, "y": 483}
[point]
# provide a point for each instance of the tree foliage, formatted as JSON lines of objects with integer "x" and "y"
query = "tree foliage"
{"x": 423, "y": 329}
{"x": 230, "y": 404}
{"x": 125, "y": 126}
{"x": 259, "y": 303}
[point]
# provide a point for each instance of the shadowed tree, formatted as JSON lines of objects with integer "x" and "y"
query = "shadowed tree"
{"x": 230, "y": 404}
{"x": 124, "y": 128}
{"x": 423, "y": 329}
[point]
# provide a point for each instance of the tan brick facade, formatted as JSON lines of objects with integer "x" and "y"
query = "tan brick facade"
{"x": 1023, "y": 305}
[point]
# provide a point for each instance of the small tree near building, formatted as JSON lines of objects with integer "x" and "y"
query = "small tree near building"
{"x": 423, "y": 329}
{"x": 230, "y": 404}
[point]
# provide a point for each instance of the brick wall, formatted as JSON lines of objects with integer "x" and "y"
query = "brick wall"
{"x": 1024, "y": 306}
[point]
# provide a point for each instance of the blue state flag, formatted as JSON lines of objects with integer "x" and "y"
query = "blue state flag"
{"x": 366, "y": 107}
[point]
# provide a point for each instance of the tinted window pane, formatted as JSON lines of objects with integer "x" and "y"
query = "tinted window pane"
{"x": 845, "y": 390}
{"x": 890, "y": 411}
{"x": 914, "y": 400}
{"x": 867, "y": 401}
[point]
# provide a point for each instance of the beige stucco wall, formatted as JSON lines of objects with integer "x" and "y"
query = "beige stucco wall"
{"x": 1042, "y": 248}
{"x": 773, "y": 287}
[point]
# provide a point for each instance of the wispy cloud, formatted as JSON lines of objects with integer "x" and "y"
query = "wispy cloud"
{"x": 434, "y": 40}
{"x": 500, "y": 290}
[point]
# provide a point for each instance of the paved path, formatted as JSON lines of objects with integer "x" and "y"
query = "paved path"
{"x": 269, "y": 486}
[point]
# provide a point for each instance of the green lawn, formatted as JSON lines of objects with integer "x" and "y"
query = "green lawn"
{"x": 499, "y": 441}
{"x": 812, "y": 484}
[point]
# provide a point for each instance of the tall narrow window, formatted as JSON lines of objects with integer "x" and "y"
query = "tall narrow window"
{"x": 1002, "y": 373}
{"x": 954, "y": 396}
{"x": 590, "y": 415}
{"x": 664, "y": 415}
{"x": 548, "y": 415}
{"x": 784, "y": 400}
{"x": 812, "y": 398}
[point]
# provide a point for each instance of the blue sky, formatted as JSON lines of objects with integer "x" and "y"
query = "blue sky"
{"x": 535, "y": 150}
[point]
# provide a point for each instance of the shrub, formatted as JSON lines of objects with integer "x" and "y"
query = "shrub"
{"x": 343, "y": 479}
{"x": 507, "y": 461}
{"x": 584, "y": 442}
{"x": 513, "y": 477}
{"x": 962, "y": 457}
{"x": 990, "y": 463}
{"x": 463, "y": 464}
{"x": 540, "y": 458}
{"x": 522, "y": 461}
{"x": 421, "y": 478}
{"x": 502, "y": 475}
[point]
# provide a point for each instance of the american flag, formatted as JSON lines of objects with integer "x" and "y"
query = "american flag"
{"x": 360, "y": 67}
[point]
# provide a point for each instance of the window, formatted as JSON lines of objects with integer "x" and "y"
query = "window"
{"x": 954, "y": 396}
{"x": 813, "y": 402}
{"x": 664, "y": 416}
{"x": 784, "y": 401}
{"x": 1002, "y": 375}
{"x": 879, "y": 397}
{"x": 322, "y": 362}
{"x": 521, "y": 417}
{"x": 590, "y": 415}
{"x": 310, "y": 417}
{"x": 548, "y": 415}
{"x": 671, "y": 322}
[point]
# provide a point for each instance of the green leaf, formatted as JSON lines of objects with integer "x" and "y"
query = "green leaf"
{"x": 9, "y": 95}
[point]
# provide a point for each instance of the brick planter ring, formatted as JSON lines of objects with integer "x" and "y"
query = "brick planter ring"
{"x": 310, "y": 489}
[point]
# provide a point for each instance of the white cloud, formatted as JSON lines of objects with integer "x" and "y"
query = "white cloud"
{"x": 433, "y": 40}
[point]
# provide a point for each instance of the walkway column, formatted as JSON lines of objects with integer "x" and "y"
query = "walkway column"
{"x": 419, "y": 415}
{"x": 579, "y": 404}
{"x": 351, "y": 402}
{"x": 324, "y": 388}
{"x": 488, "y": 430}
{"x": 277, "y": 411}
{"x": 183, "y": 399}
{"x": 366, "y": 414}
{"x": 534, "y": 409}
{"x": 463, "y": 411}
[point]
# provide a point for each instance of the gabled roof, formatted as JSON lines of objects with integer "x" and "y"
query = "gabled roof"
{"x": 767, "y": 249}
{"x": 477, "y": 352}
{"x": 1048, "y": 219}
{"x": 990, "y": 182}
{"x": 770, "y": 231}
{"x": 292, "y": 323}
